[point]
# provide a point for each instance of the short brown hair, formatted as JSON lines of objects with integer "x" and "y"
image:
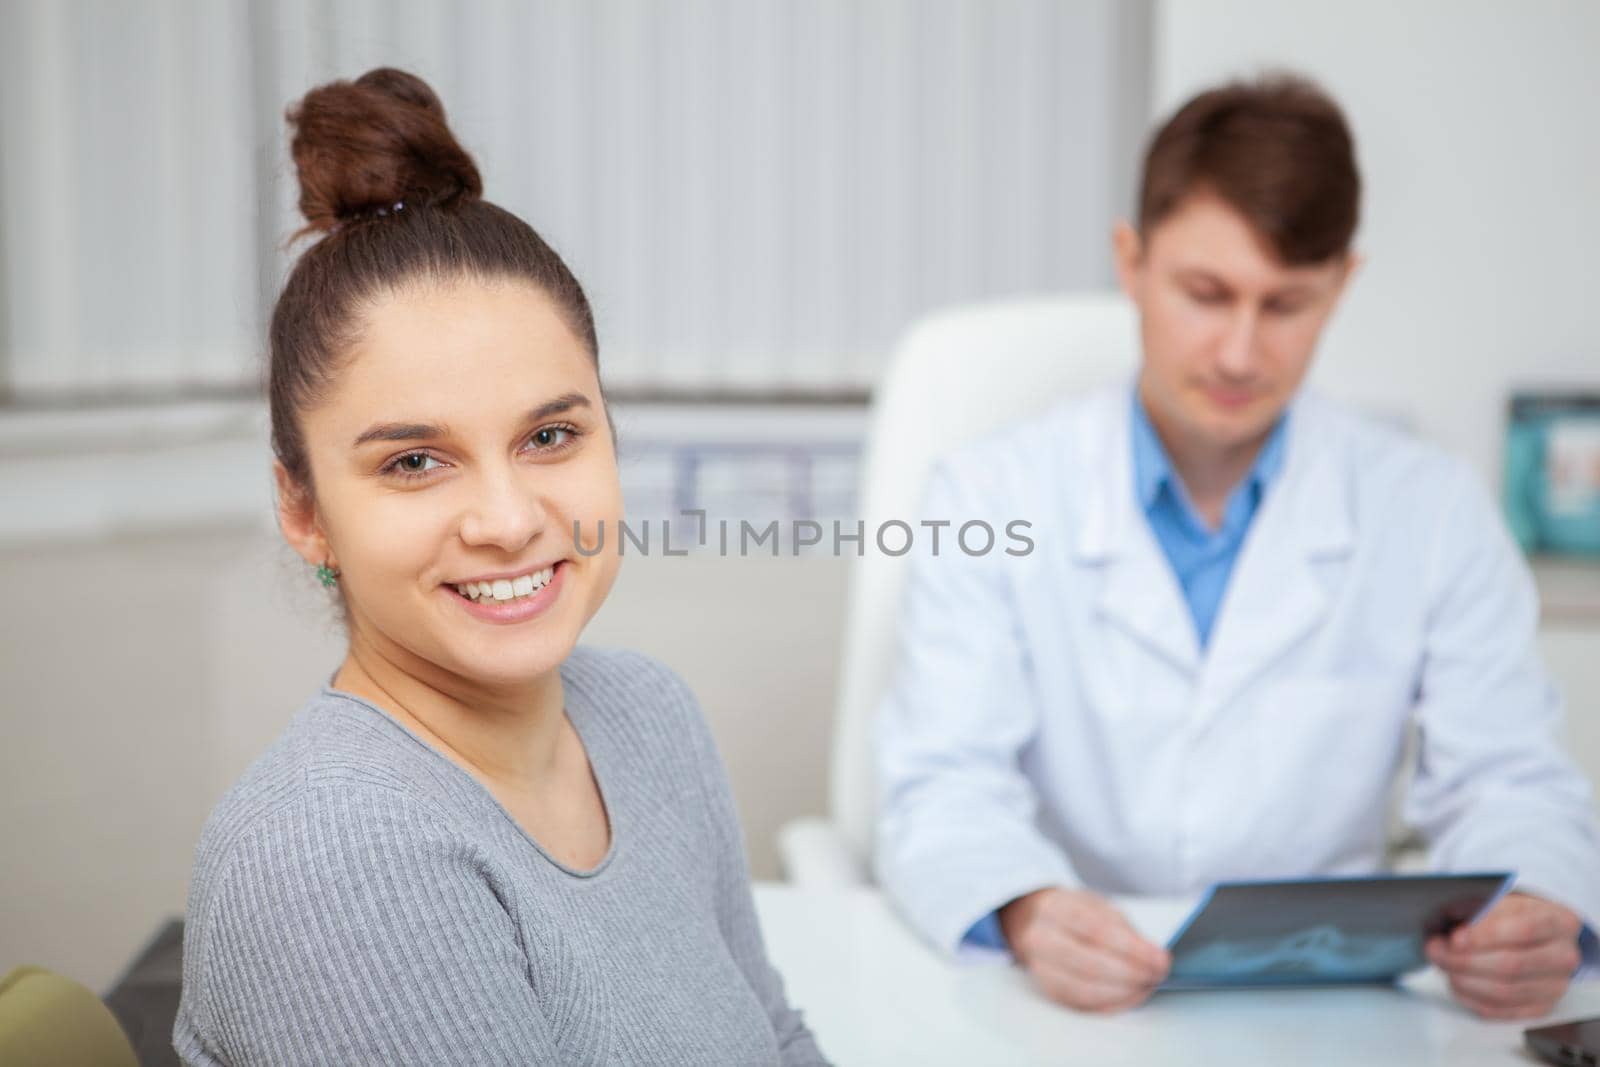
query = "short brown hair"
{"x": 1276, "y": 149}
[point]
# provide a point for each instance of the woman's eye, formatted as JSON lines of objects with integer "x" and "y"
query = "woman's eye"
{"x": 551, "y": 437}
{"x": 413, "y": 463}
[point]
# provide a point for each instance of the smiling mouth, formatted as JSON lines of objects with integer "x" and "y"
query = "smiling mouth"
{"x": 507, "y": 589}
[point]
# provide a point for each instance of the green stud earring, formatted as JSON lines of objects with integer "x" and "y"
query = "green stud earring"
{"x": 327, "y": 576}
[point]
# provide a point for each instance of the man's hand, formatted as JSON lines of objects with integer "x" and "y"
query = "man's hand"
{"x": 1081, "y": 951}
{"x": 1515, "y": 961}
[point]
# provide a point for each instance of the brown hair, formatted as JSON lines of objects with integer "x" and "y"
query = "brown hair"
{"x": 397, "y": 199}
{"x": 1277, "y": 149}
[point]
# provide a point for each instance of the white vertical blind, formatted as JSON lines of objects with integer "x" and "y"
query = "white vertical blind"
{"x": 126, "y": 189}
{"x": 757, "y": 193}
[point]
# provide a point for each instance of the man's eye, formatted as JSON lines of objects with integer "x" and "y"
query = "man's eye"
{"x": 1208, "y": 297}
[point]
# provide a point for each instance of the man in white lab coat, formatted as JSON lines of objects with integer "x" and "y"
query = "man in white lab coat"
{"x": 1240, "y": 599}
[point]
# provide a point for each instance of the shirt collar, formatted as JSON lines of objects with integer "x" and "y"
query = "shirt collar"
{"x": 1152, "y": 467}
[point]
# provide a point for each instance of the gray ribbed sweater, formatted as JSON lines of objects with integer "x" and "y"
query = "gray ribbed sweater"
{"x": 358, "y": 898}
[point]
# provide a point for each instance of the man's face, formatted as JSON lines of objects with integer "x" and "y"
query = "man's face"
{"x": 1228, "y": 330}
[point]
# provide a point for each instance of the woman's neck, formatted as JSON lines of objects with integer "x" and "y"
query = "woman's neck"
{"x": 506, "y": 738}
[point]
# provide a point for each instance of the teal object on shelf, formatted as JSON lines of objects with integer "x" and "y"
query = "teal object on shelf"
{"x": 1552, "y": 473}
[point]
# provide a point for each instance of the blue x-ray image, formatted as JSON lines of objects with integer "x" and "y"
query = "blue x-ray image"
{"x": 1323, "y": 931}
{"x": 1318, "y": 952}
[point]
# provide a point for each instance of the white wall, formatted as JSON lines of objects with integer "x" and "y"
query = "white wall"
{"x": 1478, "y": 129}
{"x": 141, "y": 674}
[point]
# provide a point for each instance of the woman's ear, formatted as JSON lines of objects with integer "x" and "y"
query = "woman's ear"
{"x": 297, "y": 518}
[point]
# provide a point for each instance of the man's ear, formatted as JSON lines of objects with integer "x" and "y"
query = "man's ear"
{"x": 297, "y": 518}
{"x": 1350, "y": 263}
{"x": 1127, "y": 248}
{"x": 1354, "y": 261}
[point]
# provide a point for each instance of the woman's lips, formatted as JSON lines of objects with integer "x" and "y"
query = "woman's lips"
{"x": 517, "y": 609}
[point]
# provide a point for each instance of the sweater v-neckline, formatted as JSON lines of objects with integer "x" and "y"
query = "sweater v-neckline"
{"x": 597, "y": 770}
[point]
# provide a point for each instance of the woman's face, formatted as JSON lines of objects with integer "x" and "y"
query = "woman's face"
{"x": 464, "y": 437}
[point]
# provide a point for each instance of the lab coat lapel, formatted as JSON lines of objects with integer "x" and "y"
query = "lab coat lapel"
{"x": 1276, "y": 597}
{"x": 1138, "y": 591}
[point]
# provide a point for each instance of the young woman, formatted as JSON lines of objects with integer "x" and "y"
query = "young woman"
{"x": 478, "y": 843}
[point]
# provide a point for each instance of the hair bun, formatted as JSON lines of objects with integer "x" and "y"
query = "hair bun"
{"x": 363, "y": 146}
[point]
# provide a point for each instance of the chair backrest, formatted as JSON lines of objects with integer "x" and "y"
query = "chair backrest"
{"x": 47, "y": 1020}
{"x": 954, "y": 377}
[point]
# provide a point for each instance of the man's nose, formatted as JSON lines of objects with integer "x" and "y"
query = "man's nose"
{"x": 1238, "y": 355}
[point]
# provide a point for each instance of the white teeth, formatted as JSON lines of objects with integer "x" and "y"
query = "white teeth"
{"x": 507, "y": 588}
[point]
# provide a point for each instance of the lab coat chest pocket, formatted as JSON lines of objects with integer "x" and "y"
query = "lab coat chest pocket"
{"x": 1323, "y": 751}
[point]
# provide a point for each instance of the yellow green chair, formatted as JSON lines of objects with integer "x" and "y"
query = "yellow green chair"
{"x": 50, "y": 1021}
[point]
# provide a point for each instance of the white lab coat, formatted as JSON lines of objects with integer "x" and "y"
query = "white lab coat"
{"x": 1052, "y": 720}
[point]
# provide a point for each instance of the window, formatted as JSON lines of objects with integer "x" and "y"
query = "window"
{"x": 758, "y": 194}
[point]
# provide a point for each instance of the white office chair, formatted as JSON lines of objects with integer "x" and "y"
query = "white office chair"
{"x": 954, "y": 377}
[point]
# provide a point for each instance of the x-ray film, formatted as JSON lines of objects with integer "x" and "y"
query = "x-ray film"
{"x": 1322, "y": 931}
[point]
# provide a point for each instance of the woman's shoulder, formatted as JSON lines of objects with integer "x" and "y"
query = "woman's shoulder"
{"x": 337, "y": 756}
{"x": 635, "y": 694}
{"x": 627, "y": 681}
{"x": 333, "y": 846}
{"x": 602, "y": 665}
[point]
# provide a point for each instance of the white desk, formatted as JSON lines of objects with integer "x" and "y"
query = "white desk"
{"x": 874, "y": 994}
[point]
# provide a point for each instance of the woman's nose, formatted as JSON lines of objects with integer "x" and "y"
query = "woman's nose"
{"x": 503, "y": 513}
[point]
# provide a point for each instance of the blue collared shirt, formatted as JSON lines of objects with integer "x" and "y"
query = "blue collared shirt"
{"x": 1201, "y": 558}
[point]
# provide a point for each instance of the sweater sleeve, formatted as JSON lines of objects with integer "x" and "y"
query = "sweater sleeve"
{"x": 736, "y": 913}
{"x": 351, "y": 927}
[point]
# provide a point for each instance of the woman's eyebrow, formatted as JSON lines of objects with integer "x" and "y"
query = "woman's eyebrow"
{"x": 562, "y": 403}
{"x": 420, "y": 431}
